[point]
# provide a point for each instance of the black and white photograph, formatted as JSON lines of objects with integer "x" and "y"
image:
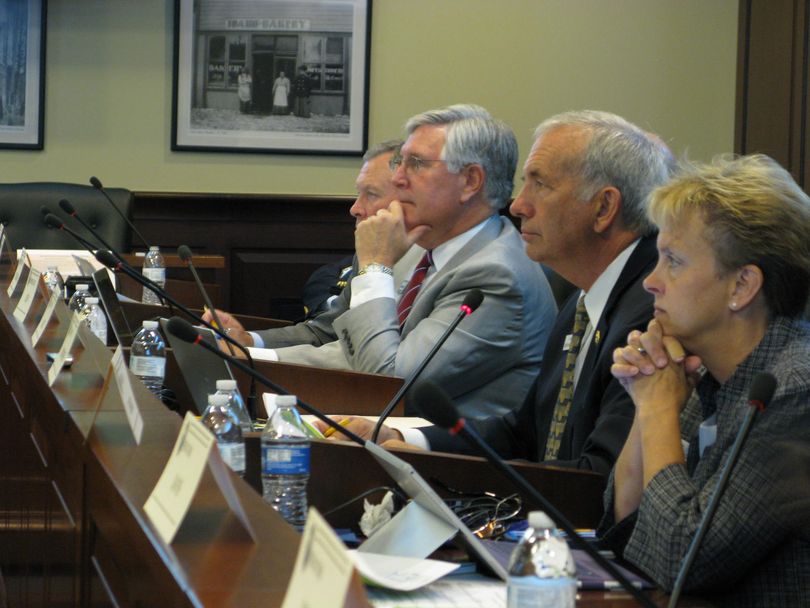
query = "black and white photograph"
{"x": 22, "y": 70}
{"x": 271, "y": 76}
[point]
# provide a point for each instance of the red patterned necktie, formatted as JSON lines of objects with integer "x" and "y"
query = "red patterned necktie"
{"x": 409, "y": 295}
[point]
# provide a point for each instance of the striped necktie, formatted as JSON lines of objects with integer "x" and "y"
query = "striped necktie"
{"x": 566, "y": 396}
{"x": 412, "y": 289}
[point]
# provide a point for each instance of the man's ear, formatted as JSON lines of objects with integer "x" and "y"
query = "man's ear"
{"x": 607, "y": 204}
{"x": 474, "y": 178}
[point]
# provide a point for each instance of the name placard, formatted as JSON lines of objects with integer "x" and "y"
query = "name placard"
{"x": 45, "y": 319}
{"x": 16, "y": 278}
{"x": 67, "y": 346}
{"x": 168, "y": 503}
{"x": 27, "y": 297}
{"x": 123, "y": 380}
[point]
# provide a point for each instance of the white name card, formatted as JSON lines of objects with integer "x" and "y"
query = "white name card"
{"x": 16, "y": 278}
{"x": 123, "y": 380}
{"x": 46, "y": 318}
{"x": 27, "y": 297}
{"x": 168, "y": 503}
{"x": 67, "y": 346}
{"x": 323, "y": 570}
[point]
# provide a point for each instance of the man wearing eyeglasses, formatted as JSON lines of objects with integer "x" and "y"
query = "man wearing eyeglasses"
{"x": 418, "y": 259}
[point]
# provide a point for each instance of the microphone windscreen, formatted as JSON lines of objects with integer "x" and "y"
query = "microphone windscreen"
{"x": 184, "y": 252}
{"x": 95, "y": 183}
{"x": 53, "y": 221}
{"x": 434, "y": 404}
{"x": 65, "y": 205}
{"x": 473, "y": 299}
{"x": 762, "y": 388}
{"x": 44, "y": 211}
{"x": 182, "y": 329}
{"x": 106, "y": 258}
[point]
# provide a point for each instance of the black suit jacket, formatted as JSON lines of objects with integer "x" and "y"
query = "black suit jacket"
{"x": 601, "y": 412}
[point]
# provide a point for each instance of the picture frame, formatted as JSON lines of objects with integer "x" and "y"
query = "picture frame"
{"x": 22, "y": 74}
{"x": 271, "y": 77}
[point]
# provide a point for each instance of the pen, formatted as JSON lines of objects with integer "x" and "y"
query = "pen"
{"x": 331, "y": 430}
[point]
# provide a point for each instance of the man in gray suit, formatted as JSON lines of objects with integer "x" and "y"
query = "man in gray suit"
{"x": 454, "y": 173}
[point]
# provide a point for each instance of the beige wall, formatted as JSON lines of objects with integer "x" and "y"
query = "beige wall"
{"x": 668, "y": 65}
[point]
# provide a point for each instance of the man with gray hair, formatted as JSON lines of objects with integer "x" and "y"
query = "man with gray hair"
{"x": 417, "y": 260}
{"x": 583, "y": 213}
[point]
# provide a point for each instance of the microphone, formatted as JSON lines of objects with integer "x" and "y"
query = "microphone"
{"x": 186, "y": 332}
{"x": 185, "y": 254}
{"x": 94, "y": 181}
{"x": 443, "y": 413}
{"x": 65, "y": 205}
{"x": 762, "y": 389}
{"x": 471, "y": 302}
{"x": 53, "y": 221}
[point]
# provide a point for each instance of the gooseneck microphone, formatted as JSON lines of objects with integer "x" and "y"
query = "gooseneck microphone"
{"x": 52, "y": 221}
{"x": 762, "y": 389}
{"x": 185, "y": 254}
{"x": 68, "y": 208}
{"x": 471, "y": 302}
{"x": 443, "y": 413}
{"x": 186, "y": 332}
{"x": 94, "y": 181}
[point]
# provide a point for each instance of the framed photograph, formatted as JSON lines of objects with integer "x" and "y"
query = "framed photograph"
{"x": 271, "y": 76}
{"x": 22, "y": 73}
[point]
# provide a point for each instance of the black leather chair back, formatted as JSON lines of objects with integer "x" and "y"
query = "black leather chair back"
{"x": 20, "y": 212}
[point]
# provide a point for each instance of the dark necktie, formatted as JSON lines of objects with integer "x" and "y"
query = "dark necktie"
{"x": 412, "y": 289}
{"x": 566, "y": 396}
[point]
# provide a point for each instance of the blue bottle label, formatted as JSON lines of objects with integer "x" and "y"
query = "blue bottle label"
{"x": 285, "y": 459}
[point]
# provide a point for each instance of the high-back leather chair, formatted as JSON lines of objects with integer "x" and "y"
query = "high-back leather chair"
{"x": 20, "y": 212}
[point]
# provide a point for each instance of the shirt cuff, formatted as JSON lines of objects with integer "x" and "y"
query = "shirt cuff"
{"x": 371, "y": 285}
{"x": 415, "y": 437}
{"x": 263, "y": 354}
{"x": 257, "y": 339}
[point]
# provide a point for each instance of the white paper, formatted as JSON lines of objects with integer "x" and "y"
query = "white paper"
{"x": 395, "y": 422}
{"x": 67, "y": 346}
{"x": 123, "y": 380}
{"x": 399, "y": 573}
{"x": 322, "y": 570}
{"x": 452, "y": 592}
{"x": 64, "y": 261}
{"x": 46, "y": 318}
{"x": 168, "y": 503}
{"x": 27, "y": 297}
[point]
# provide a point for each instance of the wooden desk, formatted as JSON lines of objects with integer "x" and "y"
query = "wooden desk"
{"x": 72, "y": 527}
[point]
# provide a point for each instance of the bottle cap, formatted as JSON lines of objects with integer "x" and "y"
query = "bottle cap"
{"x": 53, "y": 269}
{"x": 540, "y": 521}
{"x": 91, "y": 301}
{"x": 286, "y": 400}
{"x": 82, "y": 287}
{"x": 150, "y": 324}
{"x": 217, "y": 400}
{"x": 226, "y": 385}
{"x": 154, "y": 248}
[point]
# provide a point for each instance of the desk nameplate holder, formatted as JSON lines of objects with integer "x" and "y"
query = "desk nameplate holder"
{"x": 53, "y": 301}
{"x": 18, "y": 273}
{"x": 171, "y": 497}
{"x": 64, "y": 351}
{"x": 27, "y": 298}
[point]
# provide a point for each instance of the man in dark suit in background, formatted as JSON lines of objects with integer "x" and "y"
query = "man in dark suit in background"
{"x": 583, "y": 213}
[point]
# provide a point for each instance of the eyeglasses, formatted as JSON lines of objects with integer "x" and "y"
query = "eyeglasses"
{"x": 413, "y": 164}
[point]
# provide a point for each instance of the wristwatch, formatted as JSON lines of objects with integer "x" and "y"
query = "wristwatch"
{"x": 374, "y": 267}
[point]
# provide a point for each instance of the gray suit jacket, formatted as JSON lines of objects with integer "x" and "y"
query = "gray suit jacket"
{"x": 490, "y": 360}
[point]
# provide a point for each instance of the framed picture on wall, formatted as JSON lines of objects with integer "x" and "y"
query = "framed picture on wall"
{"x": 271, "y": 76}
{"x": 22, "y": 73}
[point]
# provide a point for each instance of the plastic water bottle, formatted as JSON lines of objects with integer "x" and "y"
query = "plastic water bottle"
{"x": 285, "y": 462}
{"x": 54, "y": 280}
{"x": 147, "y": 357}
{"x": 220, "y": 418}
{"x": 236, "y": 403}
{"x": 542, "y": 573}
{"x": 154, "y": 269}
{"x": 77, "y": 300}
{"x": 95, "y": 318}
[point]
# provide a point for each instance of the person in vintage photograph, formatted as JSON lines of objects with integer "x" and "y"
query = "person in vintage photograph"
{"x": 301, "y": 87}
{"x": 244, "y": 91}
{"x": 281, "y": 92}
